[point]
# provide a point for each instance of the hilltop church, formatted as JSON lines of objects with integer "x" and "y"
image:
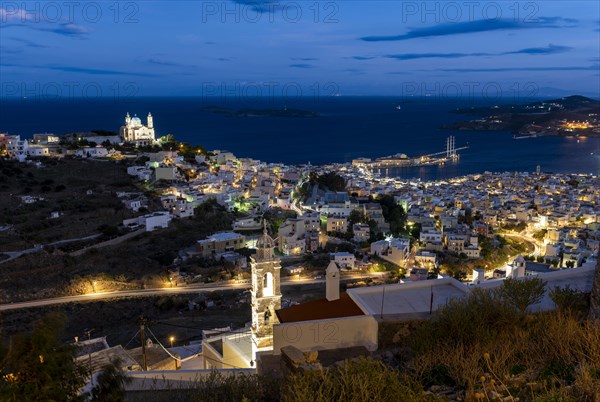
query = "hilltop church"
{"x": 136, "y": 133}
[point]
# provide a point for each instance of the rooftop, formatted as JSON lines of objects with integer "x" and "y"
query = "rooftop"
{"x": 319, "y": 310}
{"x": 221, "y": 237}
{"x": 407, "y": 298}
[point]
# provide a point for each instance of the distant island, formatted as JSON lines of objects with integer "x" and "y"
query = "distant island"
{"x": 569, "y": 116}
{"x": 285, "y": 112}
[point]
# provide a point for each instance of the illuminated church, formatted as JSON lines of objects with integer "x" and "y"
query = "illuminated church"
{"x": 136, "y": 133}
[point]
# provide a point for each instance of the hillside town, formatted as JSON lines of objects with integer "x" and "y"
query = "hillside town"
{"x": 415, "y": 245}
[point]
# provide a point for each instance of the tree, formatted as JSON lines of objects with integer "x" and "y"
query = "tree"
{"x": 522, "y": 293}
{"x": 331, "y": 181}
{"x": 393, "y": 213}
{"x": 39, "y": 367}
{"x": 109, "y": 385}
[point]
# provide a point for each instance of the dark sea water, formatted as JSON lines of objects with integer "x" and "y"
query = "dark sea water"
{"x": 347, "y": 128}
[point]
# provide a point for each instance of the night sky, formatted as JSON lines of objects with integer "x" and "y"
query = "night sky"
{"x": 173, "y": 48}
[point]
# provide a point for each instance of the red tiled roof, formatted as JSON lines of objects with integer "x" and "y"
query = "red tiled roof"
{"x": 319, "y": 310}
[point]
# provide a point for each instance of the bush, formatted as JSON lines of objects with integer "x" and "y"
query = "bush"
{"x": 359, "y": 380}
{"x": 571, "y": 300}
{"x": 477, "y": 317}
{"x": 521, "y": 293}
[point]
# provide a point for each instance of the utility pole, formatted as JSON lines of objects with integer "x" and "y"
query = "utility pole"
{"x": 143, "y": 323}
{"x": 382, "y": 300}
{"x": 431, "y": 302}
{"x": 88, "y": 332}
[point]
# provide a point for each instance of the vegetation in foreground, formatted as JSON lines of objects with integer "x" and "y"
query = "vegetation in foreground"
{"x": 483, "y": 347}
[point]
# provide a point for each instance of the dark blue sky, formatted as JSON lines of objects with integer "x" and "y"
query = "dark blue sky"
{"x": 312, "y": 48}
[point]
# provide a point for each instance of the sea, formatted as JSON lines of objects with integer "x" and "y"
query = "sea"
{"x": 346, "y": 128}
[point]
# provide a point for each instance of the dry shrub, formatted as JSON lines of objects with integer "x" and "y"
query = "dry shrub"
{"x": 537, "y": 356}
{"x": 358, "y": 380}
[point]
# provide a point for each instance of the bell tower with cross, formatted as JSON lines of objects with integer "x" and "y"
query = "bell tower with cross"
{"x": 266, "y": 293}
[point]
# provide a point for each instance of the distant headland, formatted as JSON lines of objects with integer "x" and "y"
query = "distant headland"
{"x": 570, "y": 116}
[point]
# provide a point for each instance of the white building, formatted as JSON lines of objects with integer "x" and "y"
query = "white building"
{"x": 344, "y": 259}
{"x": 362, "y": 232}
{"x": 151, "y": 221}
{"x": 135, "y": 132}
{"x": 183, "y": 208}
{"x": 92, "y": 152}
{"x": 433, "y": 236}
{"x": 394, "y": 250}
{"x": 16, "y": 148}
{"x": 37, "y": 150}
{"x": 517, "y": 268}
{"x": 219, "y": 243}
{"x": 294, "y": 232}
{"x": 337, "y": 224}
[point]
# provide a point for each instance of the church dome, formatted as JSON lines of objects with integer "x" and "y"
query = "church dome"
{"x": 265, "y": 241}
{"x": 264, "y": 246}
{"x": 135, "y": 121}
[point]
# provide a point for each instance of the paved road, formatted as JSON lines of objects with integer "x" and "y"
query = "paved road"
{"x": 118, "y": 294}
{"x": 528, "y": 239}
{"x": 16, "y": 254}
{"x": 162, "y": 291}
{"x": 39, "y": 247}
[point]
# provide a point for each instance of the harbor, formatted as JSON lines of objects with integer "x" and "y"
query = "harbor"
{"x": 402, "y": 160}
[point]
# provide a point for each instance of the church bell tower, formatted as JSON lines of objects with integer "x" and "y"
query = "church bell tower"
{"x": 266, "y": 293}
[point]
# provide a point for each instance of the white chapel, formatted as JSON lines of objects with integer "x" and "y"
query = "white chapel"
{"x": 135, "y": 132}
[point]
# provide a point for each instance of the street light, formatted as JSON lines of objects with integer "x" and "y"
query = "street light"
{"x": 171, "y": 339}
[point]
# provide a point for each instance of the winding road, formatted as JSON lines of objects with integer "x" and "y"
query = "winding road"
{"x": 163, "y": 291}
{"x": 537, "y": 251}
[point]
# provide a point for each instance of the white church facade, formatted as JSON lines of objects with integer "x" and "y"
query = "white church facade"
{"x": 135, "y": 132}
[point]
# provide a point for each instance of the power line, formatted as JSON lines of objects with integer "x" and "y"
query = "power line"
{"x": 132, "y": 338}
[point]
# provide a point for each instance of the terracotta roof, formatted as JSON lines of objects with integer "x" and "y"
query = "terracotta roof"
{"x": 319, "y": 310}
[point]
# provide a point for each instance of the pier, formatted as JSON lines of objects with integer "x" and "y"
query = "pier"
{"x": 401, "y": 160}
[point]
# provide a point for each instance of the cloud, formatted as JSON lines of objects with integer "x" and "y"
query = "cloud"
{"x": 504, "y": 69}
{"x": 160, "y": 62}
{"x": 81, "y": 70}
{"x": 67, "y": 29}
{"x": 157, "y": 61}
{"x": 361, "y": 58}
{"x": 304, "y": 58}
{"x": 474, "y": 27}
{"x": 261, "y": 6}
{"x": 8, "y": 50}
{"x": 28, "y": 43}
{"x": 302, "y": 65}
{"x": 39, "y": 22}
{"x": 412, "y": 56}
{"x": 551, "y": 49}
{"x": 93, "y": 71}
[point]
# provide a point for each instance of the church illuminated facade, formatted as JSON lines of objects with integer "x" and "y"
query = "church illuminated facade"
{"x": 135, "y": 132}
{"x": 266, "y": 292}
